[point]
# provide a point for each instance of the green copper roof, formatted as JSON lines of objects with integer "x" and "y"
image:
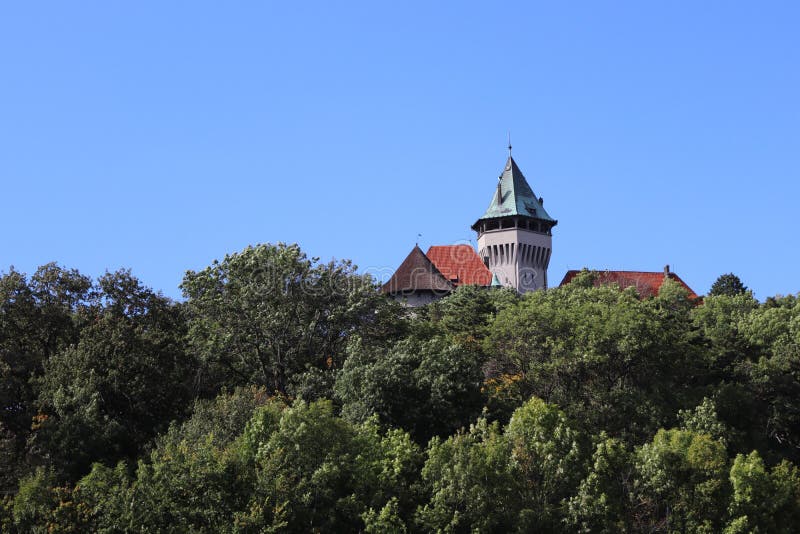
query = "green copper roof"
{"x": 496, "y": 281}
{"x": 515, "y": 197}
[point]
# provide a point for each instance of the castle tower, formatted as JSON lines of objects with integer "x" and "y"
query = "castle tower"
{"x": 514, "y": 235}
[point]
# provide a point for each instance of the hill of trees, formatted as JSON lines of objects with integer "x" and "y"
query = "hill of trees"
{"x": 288, "y": 395}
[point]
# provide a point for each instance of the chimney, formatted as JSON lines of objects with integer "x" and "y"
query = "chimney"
{"x": 499, "y": 194}
{"x": 666, "y": 271}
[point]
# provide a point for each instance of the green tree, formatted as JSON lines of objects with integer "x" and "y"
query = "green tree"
{"x": 725, "y": 363}
{"x": 33, "y": 503}
{"x": 763, "y": 501}
{"x": 224, "y": 418}
{"x": 40, "y": 506}
{"x": 486, "y": 480}
{"x": 467, "y": 313}
{"x": 775, "y": 383}
{"x": 291, "y": 469}
{"x": 428, "y": 387}
{"x": 604, "y": 498}
{"x": 386, "y": 521}
{"x": 129, "y": 375}
{"x": 703, "y": 420}
{"x": 727, "y": 284}
{"x": 201, "y": 475}
{"x": 719, "y": 320}
{"x": 681, "y": 483}
{"x": 550, "y": 454}
{"x": 38, "y": 318}
{"x": 268, "y": 314}
{"x": 474, "y": 485}
{"x": 769, "y": 376}
{"x": 610, "y": 360}
{"x": 107, "y": 494}
{"x": 317, "y": 472}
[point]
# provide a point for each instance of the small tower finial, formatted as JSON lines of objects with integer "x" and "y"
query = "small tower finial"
{"x": 509, "y": 143}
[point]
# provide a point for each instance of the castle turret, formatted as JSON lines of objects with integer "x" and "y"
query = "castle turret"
{"x": 514, "y": 235}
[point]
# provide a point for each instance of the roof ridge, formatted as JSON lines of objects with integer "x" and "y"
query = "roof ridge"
{"x": 618, "y": 271}
{"x": 417, "y": 272}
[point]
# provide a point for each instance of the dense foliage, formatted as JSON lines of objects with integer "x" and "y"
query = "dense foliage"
{"x": 727, "y": 284}
{"x": 289, "y": 395}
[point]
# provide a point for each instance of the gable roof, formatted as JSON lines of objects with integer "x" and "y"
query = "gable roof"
{"x": 417, "y": 273}
{"x": 646, "y": 283}
{"x": 515, "y": 197}
{"x": 460, "y": 264}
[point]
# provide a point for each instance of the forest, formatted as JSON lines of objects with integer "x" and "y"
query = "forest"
{"x": 285, "y": 394}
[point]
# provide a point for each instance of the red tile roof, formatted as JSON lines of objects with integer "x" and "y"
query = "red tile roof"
{"x": 646, "y": 283}
{"x": 417, "y": 273}
{"x": 460, "y": 264}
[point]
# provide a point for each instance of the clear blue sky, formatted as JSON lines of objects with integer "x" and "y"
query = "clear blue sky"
{"x": 162, "y": 135}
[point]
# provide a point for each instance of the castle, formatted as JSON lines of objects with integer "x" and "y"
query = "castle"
{"x": 515, "y": 242}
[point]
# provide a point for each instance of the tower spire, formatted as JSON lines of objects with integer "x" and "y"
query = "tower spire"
{"x": 514, "y": 234}
{"x": 509, "y": 143}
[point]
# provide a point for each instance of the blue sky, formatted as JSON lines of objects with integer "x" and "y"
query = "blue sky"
{"x": 159, "y": 136}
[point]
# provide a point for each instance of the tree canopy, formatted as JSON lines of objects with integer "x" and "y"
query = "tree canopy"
{"x": 727, "y": 284}
{"x": 289, "y": 395}
{"x": 271, "y": 316}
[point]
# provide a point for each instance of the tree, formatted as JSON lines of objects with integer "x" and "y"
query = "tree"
{"x": 268, "y": 314}
{"x": 387, "y": 521}
{"x": 550, "y": 454}
{"x": 762, "y": 500}
{"x": 727, "y": 284}
{"x": 427, "y": 387}
{"x": 603, "y": 500}
{"x": 129, "y": 375}
{"x": 703, "y": 420}
{"x": 224, "y": 418}
{"x": 719, "y": 320}
{"x": 474, "y": 485}
{"x": 292, "y": 468}
{"x": 681, "y": 483}
{"x": 485, "y": 480}
{"x": 317, "y": 472}
{"x": 467, "y": 313}
{"x": 775, "y": 384}
{"x": 610, "y": 360}
{"x": 768, "y": 375}
{"x": 38, "y": 317}
{"x": 33, "y": 503}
